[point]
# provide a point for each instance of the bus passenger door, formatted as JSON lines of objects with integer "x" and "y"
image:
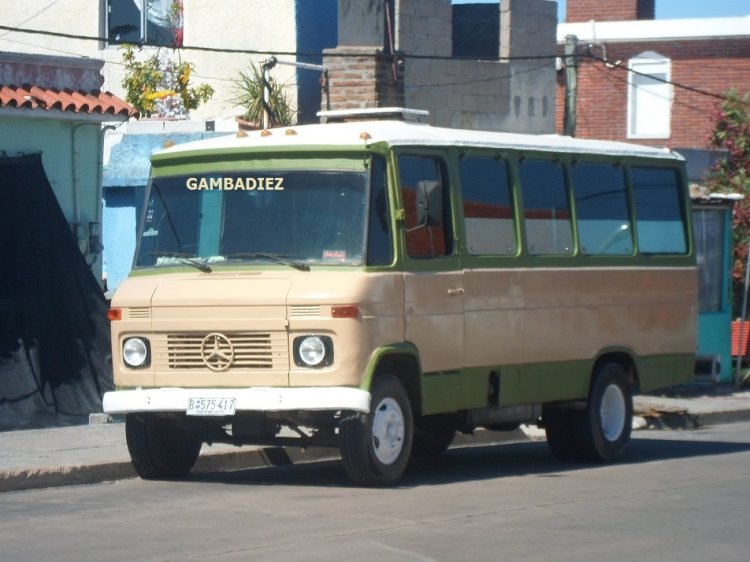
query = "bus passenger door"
{"x": 433, "y": 279}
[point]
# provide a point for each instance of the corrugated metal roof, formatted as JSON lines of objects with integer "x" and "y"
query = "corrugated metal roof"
{"x": 77, "y": 101}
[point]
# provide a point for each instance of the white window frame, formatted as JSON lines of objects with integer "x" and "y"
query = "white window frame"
{"x": 652, "y": 105}
{"x": 151, "y": 11}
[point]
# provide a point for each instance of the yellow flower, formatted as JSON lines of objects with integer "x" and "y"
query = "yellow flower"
{"x": 159, "y": 95}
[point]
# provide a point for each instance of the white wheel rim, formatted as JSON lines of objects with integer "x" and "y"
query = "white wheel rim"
{"x": 612, "y": 412}
{"x": 388, "y": 431}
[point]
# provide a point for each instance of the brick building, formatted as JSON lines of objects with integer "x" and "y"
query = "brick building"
{"x": 694, "y": 56}
{"x": 659, "y": 83}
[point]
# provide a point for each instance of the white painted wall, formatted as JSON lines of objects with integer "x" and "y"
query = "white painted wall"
{"x": 234, "y": 24}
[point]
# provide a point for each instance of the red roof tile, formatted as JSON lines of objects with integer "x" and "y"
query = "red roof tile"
{"x": 76, "y": 101}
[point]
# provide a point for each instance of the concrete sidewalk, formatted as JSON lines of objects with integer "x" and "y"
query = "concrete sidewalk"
{"x": 40, "y": 458}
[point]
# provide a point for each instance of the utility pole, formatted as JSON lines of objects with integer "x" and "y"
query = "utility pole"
{"x": 571, "y": 85}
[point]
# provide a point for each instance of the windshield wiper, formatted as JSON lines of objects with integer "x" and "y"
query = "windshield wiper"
{"x": 278, "y": 258}
{"x": 187, "y": 259}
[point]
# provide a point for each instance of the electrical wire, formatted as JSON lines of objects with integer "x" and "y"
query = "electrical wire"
{"x": 623, "y": 81}
{"x": 656, "y": 78}
{"x": 227, "y": 50}
{"x": 397, "y": 55}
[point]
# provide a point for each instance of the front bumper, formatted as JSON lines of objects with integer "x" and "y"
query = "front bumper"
{"x": 263, "y": 399}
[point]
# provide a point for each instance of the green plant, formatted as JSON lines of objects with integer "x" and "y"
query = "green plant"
{"x": 247, "y": 89}
{"x": 731, "y": 174}
{"x": 158, "y": 85}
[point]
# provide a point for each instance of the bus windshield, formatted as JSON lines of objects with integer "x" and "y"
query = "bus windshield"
{"x": 294, "y": 217}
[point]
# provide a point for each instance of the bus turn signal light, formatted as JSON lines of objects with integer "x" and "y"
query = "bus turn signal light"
{"x": 345, "y": 311}
{"x": 114, "y": 314}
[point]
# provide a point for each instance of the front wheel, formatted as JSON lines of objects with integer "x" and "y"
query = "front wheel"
{"x": 160, "y": 448}
{"x": 375, "y": 448}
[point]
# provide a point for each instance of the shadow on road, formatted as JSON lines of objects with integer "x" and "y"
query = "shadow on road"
{"x": 473, "y": 463}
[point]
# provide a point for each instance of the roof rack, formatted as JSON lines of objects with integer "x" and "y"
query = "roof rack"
{"x": 370, "y": 113}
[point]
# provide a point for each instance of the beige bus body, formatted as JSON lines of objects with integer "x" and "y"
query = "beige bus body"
{"x": 435, "y": 346}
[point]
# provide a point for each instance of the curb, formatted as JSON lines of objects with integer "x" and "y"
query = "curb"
{"x": 687, "y": 420}
{"x": 218, "y": 461}
{"x": 264, "y": 457}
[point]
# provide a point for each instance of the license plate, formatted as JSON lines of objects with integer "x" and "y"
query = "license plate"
{"x": 211, "y": 406}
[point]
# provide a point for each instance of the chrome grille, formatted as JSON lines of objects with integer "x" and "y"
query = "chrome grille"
{"x": 253, "y": 351}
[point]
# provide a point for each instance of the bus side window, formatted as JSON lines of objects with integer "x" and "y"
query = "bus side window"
{"x": 488, "y": 208}
{"x": 602, "y": 209}
{"x": 379, "y": 249}
{"x": 658, "y": 211}
{"x": 433, "y": 238}
{"x": 546, "y": 212}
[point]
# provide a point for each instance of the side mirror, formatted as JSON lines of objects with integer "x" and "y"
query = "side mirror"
{"x": 429, "y": 203}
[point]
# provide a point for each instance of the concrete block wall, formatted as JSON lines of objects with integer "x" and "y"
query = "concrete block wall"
{"x": 528, "y": 28}
{"x": 494, "y": 95}
{"x": 424, "y": 27}
{"x": 491, "y": 95}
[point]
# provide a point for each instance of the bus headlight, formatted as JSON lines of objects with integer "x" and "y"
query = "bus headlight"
{"x": 135, "y": 352}
{"x": 313, "y": 351}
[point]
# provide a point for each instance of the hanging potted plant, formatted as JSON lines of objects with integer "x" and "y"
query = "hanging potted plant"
{"x": 247, "y": 89}
{"x": 159, "y": 86}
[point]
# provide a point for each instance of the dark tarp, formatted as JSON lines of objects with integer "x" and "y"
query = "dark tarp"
{"x": 55, "y": 359}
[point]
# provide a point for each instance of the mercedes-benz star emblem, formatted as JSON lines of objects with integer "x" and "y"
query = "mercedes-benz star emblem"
{"x": 217, "y": 352}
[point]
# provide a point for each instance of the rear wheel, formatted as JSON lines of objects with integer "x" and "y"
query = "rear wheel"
{"x": 601, "y": 431}
{"x": 560, "y": 428}
{"x": 160, "y": 448}
{"x": 604, "y": 430}
{"x": 375, "y": 448}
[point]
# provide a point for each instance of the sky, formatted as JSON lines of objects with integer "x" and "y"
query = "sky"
{"x": 672, "y": 9}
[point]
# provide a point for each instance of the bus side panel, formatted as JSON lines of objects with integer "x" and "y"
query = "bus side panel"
{"x": 661, "y": 371}
{"x": 544, "y": 382}
{"x": 451, "y": 391}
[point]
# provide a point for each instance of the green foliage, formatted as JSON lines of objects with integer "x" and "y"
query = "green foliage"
{"x": 731, "y": 134}
{"x": 247, "y": 89}
{"x": 158, "y": 85}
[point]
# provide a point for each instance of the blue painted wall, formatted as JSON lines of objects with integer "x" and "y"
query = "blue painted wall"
{"x": 317, "y": 29}
{"x": 124, "y": 181}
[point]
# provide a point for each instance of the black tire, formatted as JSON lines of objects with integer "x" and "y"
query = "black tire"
{"x": 603, "y": 430}
{"x": 431, "y": 442}
{"x": 160, "y": 448}
{"x": 375, "y": 448}
{"x": 560, "y": 428}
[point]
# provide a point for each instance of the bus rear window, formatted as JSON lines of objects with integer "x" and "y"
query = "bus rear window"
{"x": 660, "y": 218}
{"x": 602, "y": 209}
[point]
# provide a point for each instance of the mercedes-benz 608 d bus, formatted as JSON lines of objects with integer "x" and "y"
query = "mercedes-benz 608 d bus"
{"x": 381, "y": 285}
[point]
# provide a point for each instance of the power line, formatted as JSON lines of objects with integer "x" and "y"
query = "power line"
{"x": 227, "y": 50}
{"x": 396, "y": 55}
{"x": 655, "y": 78}
{"x": 620, "y": 80}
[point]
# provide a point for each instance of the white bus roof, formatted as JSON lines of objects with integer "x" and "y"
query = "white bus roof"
{"x": 357, "y": 134}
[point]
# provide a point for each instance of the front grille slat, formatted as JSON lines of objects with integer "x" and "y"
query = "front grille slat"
{"x": 302, "y": 311}
{"x": 251, "y": 351}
